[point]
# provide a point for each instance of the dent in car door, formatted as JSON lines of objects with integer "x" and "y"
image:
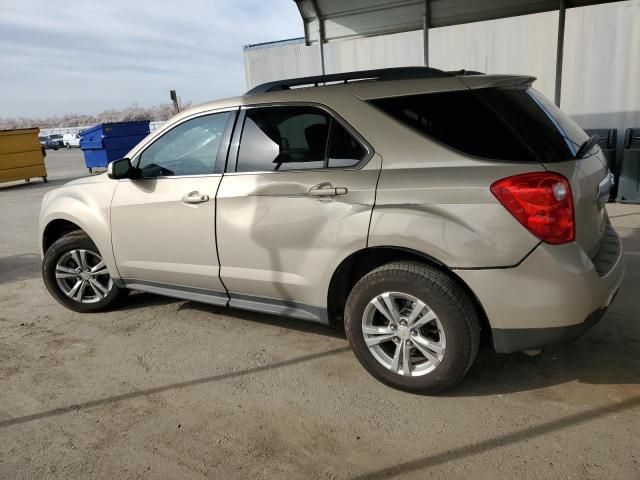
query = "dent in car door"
{"x": 281, "y": 234}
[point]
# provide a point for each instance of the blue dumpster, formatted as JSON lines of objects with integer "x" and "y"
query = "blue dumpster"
{"x": 107, "y": 142}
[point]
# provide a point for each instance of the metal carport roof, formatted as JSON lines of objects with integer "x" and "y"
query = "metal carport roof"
{"x": 331, "y": 20}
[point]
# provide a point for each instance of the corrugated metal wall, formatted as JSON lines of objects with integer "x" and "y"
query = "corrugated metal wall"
{"x": 601, "y": 82}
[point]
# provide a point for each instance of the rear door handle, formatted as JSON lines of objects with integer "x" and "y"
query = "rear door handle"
{"x": 195, "y": 197}
{"x": 327, "y": 190}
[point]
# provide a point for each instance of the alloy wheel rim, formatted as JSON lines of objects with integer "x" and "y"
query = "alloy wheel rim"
{"x": 403, "y": 334}
{"x": 83, "y": 276}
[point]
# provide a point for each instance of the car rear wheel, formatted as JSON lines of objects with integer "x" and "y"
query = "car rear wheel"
{"x": 76, "y": 275}
{"x": 412, "y": 327}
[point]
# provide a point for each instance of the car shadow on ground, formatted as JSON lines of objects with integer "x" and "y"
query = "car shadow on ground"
{"x": 16, "y": 268}
{"x": 36, "y": 183}
{"x": 270, "y": 320}
{"x": 136, "y": 300}
{"x": 607, "y": 354}
{"x": 600, "y": 357}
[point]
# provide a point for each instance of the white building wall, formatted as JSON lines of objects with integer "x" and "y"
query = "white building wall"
{"x": 521, "y": 45}
{"x": 601, "y": 80}
{"x": 275, "y": 62}
{"x": 398, "y": 50}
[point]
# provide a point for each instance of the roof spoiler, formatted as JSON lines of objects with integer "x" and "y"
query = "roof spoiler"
{"x": 487, "y": 81}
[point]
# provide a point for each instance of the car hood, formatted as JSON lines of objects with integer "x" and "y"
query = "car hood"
{"x": 92, "y": 179}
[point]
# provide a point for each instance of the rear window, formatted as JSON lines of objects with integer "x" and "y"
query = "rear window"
{"x": 548, "y": 130}
{"x": 514, "y": 124}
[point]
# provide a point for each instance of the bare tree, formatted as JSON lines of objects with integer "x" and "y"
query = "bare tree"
{"x": 133, "y": 112}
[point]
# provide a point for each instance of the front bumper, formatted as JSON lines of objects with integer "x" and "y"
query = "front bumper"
{"x": 554, "y": 295}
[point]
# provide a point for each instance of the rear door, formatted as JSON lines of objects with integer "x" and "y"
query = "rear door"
{"x": 296, "y": 199}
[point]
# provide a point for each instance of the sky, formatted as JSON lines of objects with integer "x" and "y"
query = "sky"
{"x": 73, "y": 56}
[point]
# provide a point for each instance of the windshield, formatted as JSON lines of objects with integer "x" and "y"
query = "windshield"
{"x": 55, "y": 137}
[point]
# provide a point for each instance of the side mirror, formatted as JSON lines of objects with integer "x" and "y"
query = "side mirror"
{"x": 120, "y": 169}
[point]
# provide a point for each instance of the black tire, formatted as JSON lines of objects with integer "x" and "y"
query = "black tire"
{"x": 44, "y": 179}
{"x": 456, "y": 312}
{"x": 72, "y": 241}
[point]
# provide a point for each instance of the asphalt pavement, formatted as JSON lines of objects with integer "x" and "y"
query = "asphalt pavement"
{"x": 163, "y": 388}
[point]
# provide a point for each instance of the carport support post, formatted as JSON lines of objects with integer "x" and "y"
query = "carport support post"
{"x": 320, "y": 20}
{"x": 560, "y": 51}
{"x": 425, "y": 32}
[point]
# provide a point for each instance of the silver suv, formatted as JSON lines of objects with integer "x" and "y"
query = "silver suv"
{"x": 415, "y": 206}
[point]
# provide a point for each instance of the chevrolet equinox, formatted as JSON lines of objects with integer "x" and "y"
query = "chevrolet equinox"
{"x": 415, "y": 206}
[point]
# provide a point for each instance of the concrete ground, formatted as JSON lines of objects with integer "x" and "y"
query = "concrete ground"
{"x": 172, "y": 389}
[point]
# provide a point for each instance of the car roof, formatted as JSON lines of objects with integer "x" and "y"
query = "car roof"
{"x": 296, "y": 90}
{"x": 336, "y": 95}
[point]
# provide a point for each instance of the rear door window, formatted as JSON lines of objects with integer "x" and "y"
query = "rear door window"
{"x": 282, "y": 138}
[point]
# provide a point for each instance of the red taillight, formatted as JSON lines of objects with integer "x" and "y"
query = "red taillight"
{"x": 542, "y": 202}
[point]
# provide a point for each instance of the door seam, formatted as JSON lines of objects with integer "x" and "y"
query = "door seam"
{"x": 375, "y": 197}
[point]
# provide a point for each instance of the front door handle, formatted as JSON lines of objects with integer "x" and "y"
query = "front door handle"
{"x": 195, "y": 197}
{"x": 327, "y": 190}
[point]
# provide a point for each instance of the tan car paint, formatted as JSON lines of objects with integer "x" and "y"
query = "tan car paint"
{"x": 278, "y": 241}
{"x": 591, "y": 216}
{"x": 159, "y": 238}
{"x": 85, "y": 202}
{"x": 556, "y": 286}
{"x": 275, "y": 241}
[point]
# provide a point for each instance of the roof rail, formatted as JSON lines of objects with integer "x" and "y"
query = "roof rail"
{"x": 397, "y": 73}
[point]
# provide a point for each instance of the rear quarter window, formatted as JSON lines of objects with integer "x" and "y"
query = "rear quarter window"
{"x": 514, "y": 124}
{"x": 459, "y": 120}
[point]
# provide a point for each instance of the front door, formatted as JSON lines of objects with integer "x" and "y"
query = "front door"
{"x": 163, "y": 224}
{"x": 297, "y": 199}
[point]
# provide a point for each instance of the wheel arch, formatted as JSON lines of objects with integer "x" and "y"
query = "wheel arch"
{"x": 55, "y": 230}
{"x": 361, "y": 262}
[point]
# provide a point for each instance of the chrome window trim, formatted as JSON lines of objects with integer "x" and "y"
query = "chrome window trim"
{"x": 168, "y": 177}
{"x": 329, "y": 111}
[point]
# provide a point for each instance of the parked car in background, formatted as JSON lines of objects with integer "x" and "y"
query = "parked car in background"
{"x": 71, "y": 140}
{"x": 413, "y": 205}
{"x": 47, "y": 142}
{"x": 57, "y": 139}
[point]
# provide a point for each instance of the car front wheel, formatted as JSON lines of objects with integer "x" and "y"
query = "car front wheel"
{"x": 76, "y": 275}
{"x": 412, "y": 327}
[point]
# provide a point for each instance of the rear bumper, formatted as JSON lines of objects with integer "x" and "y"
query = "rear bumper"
{"x": 507, "y": 340}
{"x": 554, "y": 295}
